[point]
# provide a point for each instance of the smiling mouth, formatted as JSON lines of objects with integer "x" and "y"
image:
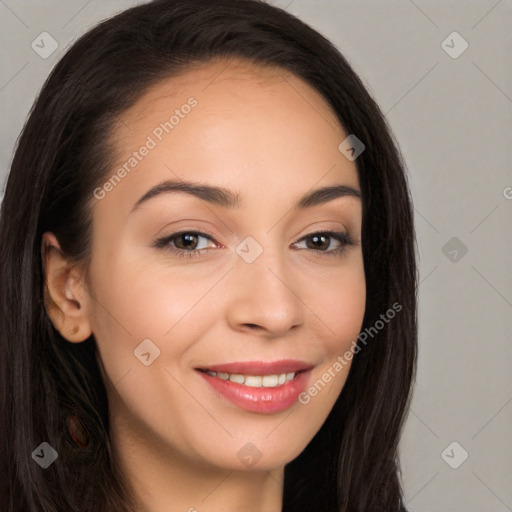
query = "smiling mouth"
{"x": 255, "y": 381}
{"x": 259, "y": 387}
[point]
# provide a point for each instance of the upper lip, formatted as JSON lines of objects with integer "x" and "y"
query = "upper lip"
{"x": 260, "y": 367}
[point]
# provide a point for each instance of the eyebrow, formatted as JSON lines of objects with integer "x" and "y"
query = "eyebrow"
{"x": 226, "y": 198}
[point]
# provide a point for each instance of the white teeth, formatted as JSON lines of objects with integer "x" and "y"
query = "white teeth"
{"x": 255, "y": 381}
{"x": 239, "y": 379}
{"x": 270, "y": 381}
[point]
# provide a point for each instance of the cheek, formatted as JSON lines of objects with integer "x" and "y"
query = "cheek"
{"x": 340, "y": 305}
{"x": 136, "y": 300}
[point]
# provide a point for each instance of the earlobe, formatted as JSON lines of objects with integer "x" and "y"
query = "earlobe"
{"x": 65, "y": 297}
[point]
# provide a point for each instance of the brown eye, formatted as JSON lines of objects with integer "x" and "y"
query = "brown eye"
{"x": 186, "y": 241}
{"x": 320, "y": 242}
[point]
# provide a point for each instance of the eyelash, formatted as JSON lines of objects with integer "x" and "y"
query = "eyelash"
{"x": 162, "y": 243}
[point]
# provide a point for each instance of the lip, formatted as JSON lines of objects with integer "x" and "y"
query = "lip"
{"x": 261, "y": 400}
{"x": 260, "y": 367}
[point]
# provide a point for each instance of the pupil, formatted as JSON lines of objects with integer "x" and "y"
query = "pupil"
{"x": 189, "y": 240}
{"x": 316, "y": 238}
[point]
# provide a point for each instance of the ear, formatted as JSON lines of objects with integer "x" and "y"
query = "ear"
{"x": 66, "y": 299}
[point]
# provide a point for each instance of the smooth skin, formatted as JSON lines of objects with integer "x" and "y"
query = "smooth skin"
{"x": 271, "y": 138}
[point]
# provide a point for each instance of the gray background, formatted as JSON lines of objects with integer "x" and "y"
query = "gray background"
{"x": 452, "y": 118}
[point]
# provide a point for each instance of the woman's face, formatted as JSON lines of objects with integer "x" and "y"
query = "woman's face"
{"x": 259, "y": 289}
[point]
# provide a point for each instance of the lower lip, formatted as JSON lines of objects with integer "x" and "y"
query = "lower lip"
{"x": 262, "y": 400}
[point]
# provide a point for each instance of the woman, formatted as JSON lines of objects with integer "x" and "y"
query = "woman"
{"x": 208, "y": 274}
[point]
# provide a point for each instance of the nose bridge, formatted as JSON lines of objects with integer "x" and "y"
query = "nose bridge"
{"x": 263, "y": 292}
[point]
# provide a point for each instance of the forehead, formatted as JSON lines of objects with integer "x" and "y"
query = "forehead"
{"x": 231, "y": 84}
{"x": 251, "y": 128}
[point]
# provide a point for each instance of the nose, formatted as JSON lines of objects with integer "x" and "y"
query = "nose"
{"x": 262, "y": 298}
